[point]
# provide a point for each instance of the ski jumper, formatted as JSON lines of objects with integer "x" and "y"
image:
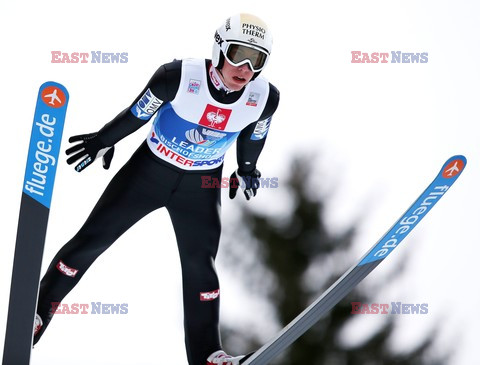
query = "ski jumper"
{"x": 195, "y": 123}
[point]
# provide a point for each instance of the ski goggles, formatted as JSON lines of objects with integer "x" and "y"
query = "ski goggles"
{"x": 238, "y": 54}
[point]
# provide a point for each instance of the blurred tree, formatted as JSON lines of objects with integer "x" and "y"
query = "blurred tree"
{"x": 287, "y": 253}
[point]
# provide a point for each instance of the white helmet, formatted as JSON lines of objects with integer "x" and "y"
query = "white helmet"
{"x": 243, "y": 38}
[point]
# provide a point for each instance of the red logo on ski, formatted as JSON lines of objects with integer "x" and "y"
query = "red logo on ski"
{"x": 214, "y": 117}
{"x": 453, "y": 169}
{"x": 53, "y": 97}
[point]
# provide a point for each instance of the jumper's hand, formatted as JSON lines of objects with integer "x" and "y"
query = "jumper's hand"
{"x": 248, "y": 181}
{"x": 88, "y": 150}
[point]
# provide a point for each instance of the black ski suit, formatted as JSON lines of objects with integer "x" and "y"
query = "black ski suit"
{"x": 148, "y": 182}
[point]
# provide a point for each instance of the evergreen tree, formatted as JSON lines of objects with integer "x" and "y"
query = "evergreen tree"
{"x": 287, "y": 252}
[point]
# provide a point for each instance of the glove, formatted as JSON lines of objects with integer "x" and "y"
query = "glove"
{"x": 248, "y": 181}
{"x": 88, "y": 150}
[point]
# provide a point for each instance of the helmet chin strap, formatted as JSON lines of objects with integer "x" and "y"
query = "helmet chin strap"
{"x": 217, "y": 81}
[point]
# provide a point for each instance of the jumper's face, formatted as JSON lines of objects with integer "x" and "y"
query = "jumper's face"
{"x": 236, "y": 77}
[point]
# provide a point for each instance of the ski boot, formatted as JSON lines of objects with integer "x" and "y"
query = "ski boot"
{"x": 38, "y": 325}
{"x": 221, "y": 358}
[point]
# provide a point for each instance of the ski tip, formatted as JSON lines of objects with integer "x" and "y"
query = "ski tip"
{"x": 453, "y": 167}
{"x": 54, "y": 94}
{"x": 45, "y": 141}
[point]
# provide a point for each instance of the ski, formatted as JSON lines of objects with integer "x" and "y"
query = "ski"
{"x": 37, "y": 191}
{"x": 449, "y": 173}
